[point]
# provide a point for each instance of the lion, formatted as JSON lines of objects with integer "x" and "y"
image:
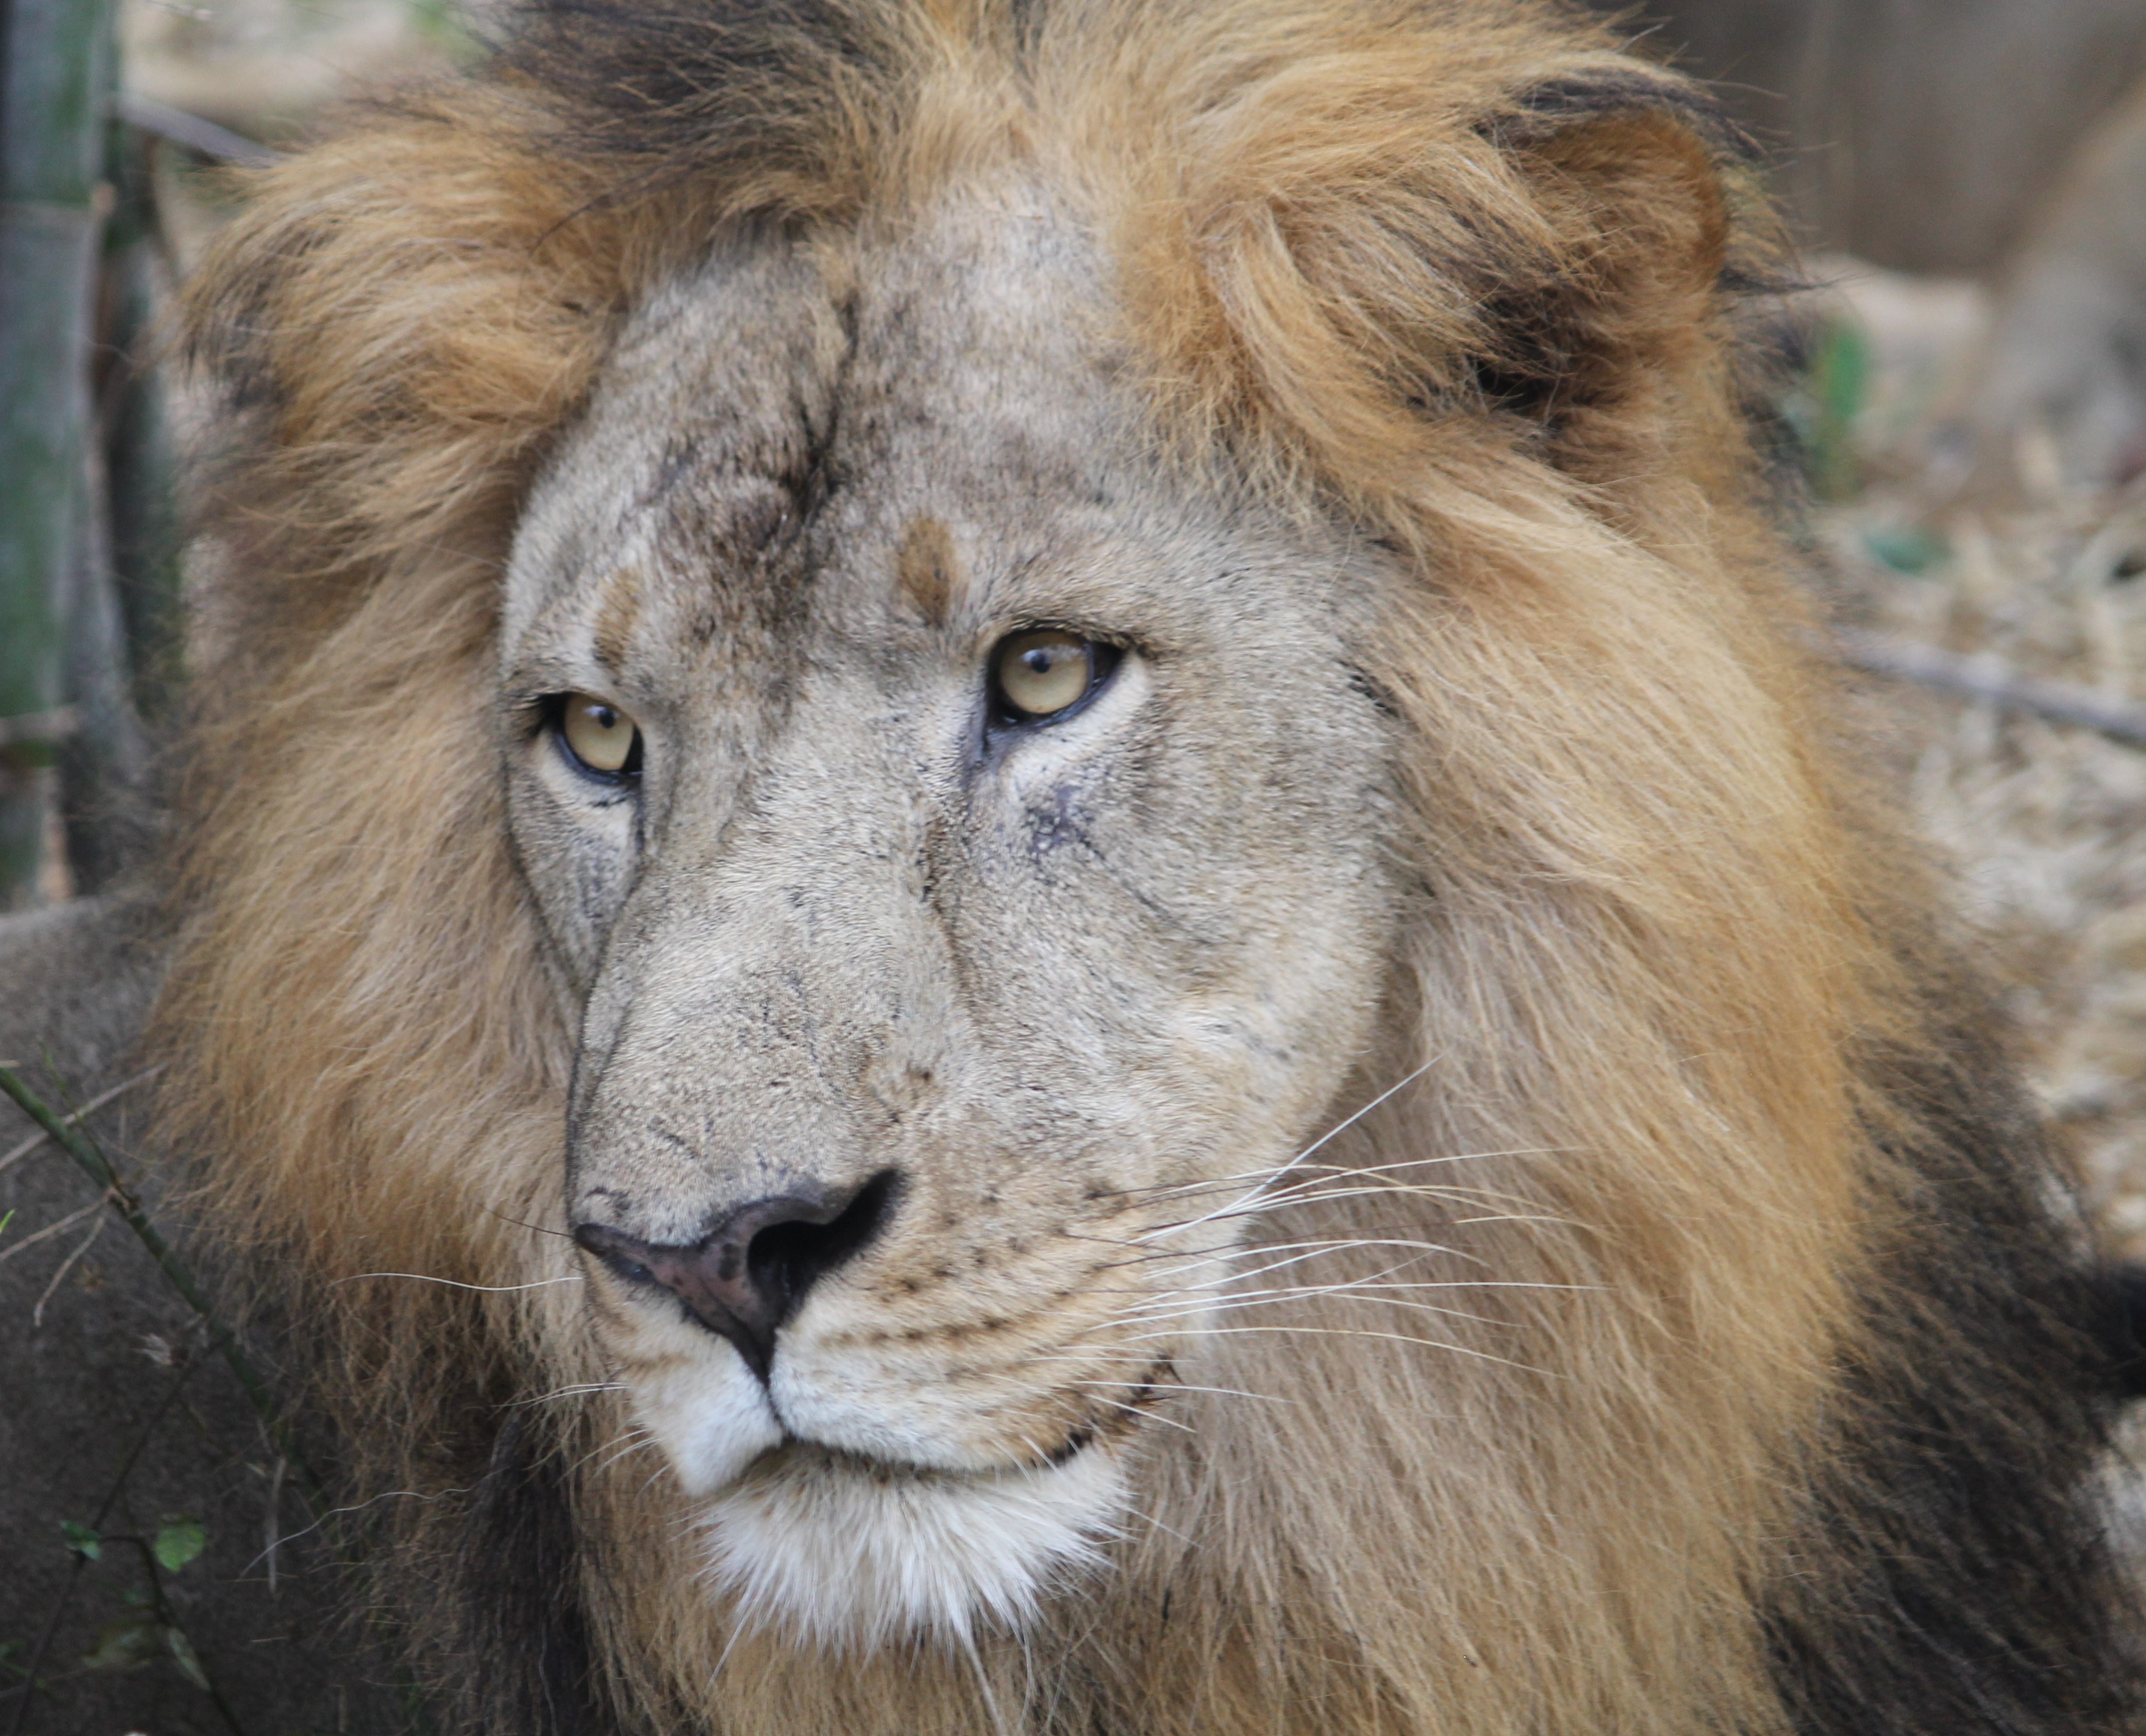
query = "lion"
{"x": 1015, "y": 894}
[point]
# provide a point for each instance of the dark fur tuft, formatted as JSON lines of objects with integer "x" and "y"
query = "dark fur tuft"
{"x": 524, "y": 1647}
{"x": 2123, "y": 1291}
{"x": 1963, "y": 1582}
{"x": 783, "y": 90}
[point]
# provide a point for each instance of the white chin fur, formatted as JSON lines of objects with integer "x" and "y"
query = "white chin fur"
{"x": 846, "y": 1554}
{"x": 708, "y": 1414}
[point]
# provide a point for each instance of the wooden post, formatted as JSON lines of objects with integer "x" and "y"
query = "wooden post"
{"x": 52, "y": 195}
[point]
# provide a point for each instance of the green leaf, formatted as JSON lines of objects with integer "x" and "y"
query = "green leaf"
{"x": 1836, "y": 392}
{"x": 126, "y": 1643}
{"x": 1844, "y": 372}
{"x": 179, "y": 1541}
{"x": 84, "y": 1541}
{"x": 6, "y": 1219}
{"x": 183, "y": 1654}
{"x": 1906, "y": 548}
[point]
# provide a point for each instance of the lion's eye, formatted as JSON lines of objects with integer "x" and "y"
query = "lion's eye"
{"x": 599, "y": 736}
{"x": 1037, "y": 674}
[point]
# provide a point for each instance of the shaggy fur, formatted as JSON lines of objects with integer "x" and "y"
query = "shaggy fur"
{"x": 1753, "y": 1399}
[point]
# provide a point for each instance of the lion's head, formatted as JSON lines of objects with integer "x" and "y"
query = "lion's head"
{"x": 1006, "y": 848}
{"x": 973, "y": 878}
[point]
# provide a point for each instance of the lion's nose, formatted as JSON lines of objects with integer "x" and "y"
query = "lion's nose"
{"x": 748, "y": 1274}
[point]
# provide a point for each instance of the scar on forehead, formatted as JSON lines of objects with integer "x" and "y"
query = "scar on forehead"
{"x": 617, "y": 616}
{"x": 926, "y": 569}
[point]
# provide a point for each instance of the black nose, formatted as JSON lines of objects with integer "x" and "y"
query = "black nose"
{"x": 747, "y": 1276}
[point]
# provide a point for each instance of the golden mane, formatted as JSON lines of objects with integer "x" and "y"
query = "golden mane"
{"x": 1461, "y": 270}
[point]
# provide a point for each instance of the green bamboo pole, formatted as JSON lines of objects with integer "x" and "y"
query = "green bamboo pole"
{"x": 52, "y": 148}
{"x": 140, "y": 460}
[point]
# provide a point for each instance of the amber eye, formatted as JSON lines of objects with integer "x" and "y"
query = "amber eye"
{"x": 599, "y": 736}
{"x": 1039, "y": 674}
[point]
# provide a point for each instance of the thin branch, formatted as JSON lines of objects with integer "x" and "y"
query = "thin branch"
{"x": 66, "y": 1266}
{"x": 272, "y": 1533}
{"x": 59, "y": 1227}
{"x": 41, "y": 727}
{"x": 160, "y": 1608}
{"x": 78, "y": 1144}
{"x": 16, "y": 1154}
{"x": 93, "y": 1163}
{"x": 1987, "y": 677}
{"x": 203, "y": 138}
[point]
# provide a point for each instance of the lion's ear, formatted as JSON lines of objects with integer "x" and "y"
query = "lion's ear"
{"x": 1361, "y": 269}
{"x": 1614, "y": 318}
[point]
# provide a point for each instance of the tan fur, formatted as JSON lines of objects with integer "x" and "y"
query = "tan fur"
{"x": 926, "y": 569}
{"x": 1639, "y": 970}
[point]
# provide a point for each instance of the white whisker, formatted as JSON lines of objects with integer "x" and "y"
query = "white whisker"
{"x": 1141, "y": 1514}
{"x": 495, "y": 1290}
{"x": 1278, "y": 1265}
{"x": 1398, "y": 1338}
{"x": 1331, "y": 1133}
{"x": 636, "y": 1438}
{"x": 1147, "y": 1415}
{"x": 1226, "y": 1286}
{"x": 1215, "y": 1183}
{"x": 1179, "y": 1386}
{"x": 386, "y": 1495}
{"x": 1263, "y": 1207}
{"x": 573, "y": 1392}
{"x": 624, "y": 1453}
{"x": 1341, "y": 1292}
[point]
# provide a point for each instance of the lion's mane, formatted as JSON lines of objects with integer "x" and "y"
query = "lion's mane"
{"x": 1774, "y": 1423}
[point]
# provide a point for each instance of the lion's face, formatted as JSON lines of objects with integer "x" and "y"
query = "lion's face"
{"x": 961, "y": 835}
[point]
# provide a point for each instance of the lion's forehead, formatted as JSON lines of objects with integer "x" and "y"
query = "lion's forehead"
{"x": 966, "y": 365}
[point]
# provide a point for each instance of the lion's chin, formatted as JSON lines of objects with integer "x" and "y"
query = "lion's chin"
{"x": 849, "y": 1553}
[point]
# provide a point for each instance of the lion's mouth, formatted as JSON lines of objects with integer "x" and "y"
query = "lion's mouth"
{"x": 794, "y": 1452}
{"x": 846, "y": 1548}
{"x": 796, "y": 1456}
{"x": 1105, "y": 1422}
